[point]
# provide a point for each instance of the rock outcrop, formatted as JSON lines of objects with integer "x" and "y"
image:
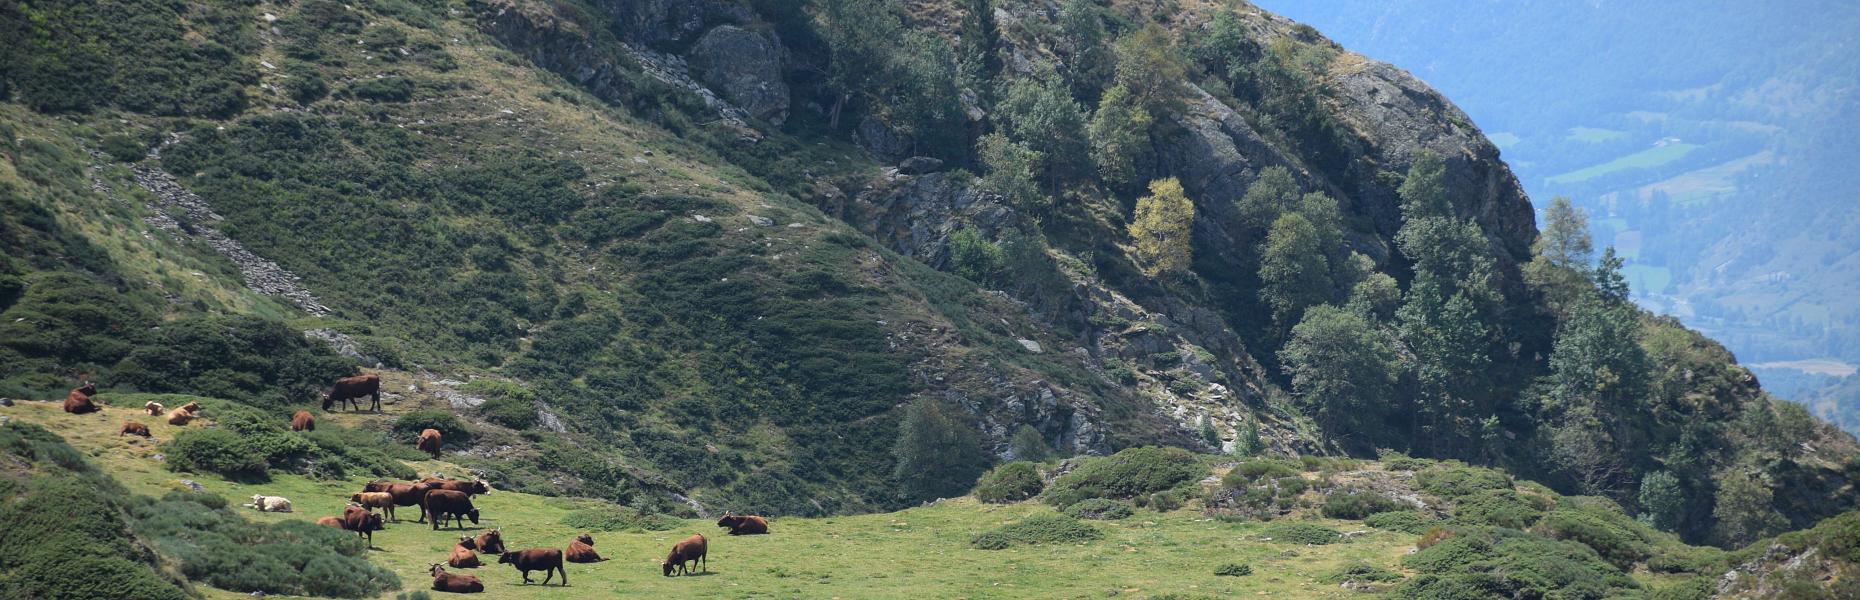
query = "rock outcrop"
{"x": 746, "y": 68}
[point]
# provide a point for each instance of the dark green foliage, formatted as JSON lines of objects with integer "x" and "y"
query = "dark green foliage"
{"x": 215, "y": 451}
{"x": 974, "y": 257}
{"x": 385, "y": 89}
{"x": 1027, "y": 444}
{"x": 304, "y": 84}
{"x": 1359, "y": 573}
{"x": 1233, "y": 570}
{"x": 451, "y": 429}
{"x": 218, "y": 547}
{"x": 1502, "y": 508}
{"x": 1301, "y": 533}
{"x": 1128, "y": 474}
{"x": 1405, "y": 521}
{"x": 1342, "y": 367}
{"x": 505, "y": 403}
{"x": 249, "y": 359}
{"x": 1452, "y": 480}
{"x": 1259, "y": 468}
{"x": 1010, "y": 482}
{"x": 1160, "y": 501}
{"x": 1038, "y": 529}
{"x": 938, "y": 455}
{"x": 124, "y": 147}
{"x": 1357, "y": 505}
{"x": 131, "y": 54}
{"x": 1611, "y": 534}
{"x": 618, "y": 518}
{"x": 1479, "y": 562}
{"x": 1676, "y": 558}
{"x": 1099, "y": 509}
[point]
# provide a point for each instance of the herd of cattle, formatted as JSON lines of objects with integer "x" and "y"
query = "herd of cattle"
{"x": 440, "y": 501}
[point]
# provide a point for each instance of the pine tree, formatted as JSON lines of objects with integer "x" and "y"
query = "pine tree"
{"x": 1162, "y": 228}
{"x": 1120, "y": 137}
{"x": 1293, "y": 273}
{"x": 1564, "y": 240}
{"x": 1042, "y": 116}
{"x": 1424, "y": 191}
{"x": 937, "y": 455}
{"x": 1090, "y": 62}
{"x": 1745, "y": 508}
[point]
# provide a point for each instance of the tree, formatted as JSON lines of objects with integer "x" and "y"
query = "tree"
{"x": 1246, "y": 440}
{"x": 1042, "y": 115}
{"x": 1148, "y": 65}
{"x": 1564, "y": 239}
{"x": 1597, "y": 359}
{"x": 1293, "y": 273}
{"x": 1090, "y": 62}
{"x": 1209, "y": 434}
{"x": 937, "y": 455}
{"x": 921, "y": 97}
{"x": 1273, "y": 194}
{"x": 1608, "y": 278}
{"x": 974, "y": 257}
{"x": 1447, "y": 341}
{"x": 976, "y": 51}
{"x": 1376, "y": 297}
{"x": 1013, "y": 171}
{"x": 1120, "y": 137}
{"x": 1162, "y": 227}
{"x": 1662, "y": 501}
{"x": 859, "y": 38}
{"x": 1343, "y": 369}
{"x": 1027, "y": 444}
{"x": 1744, "y": 508}
{"x": 1424, "y": 191}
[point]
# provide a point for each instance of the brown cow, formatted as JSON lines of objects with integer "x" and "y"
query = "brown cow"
{"x": 347, "y": 389}
{"x": 135, "y": 428}
{"x": 181, "y": 417}
{"x": 581, "y": 550}
{"x": 490, "y": 542}
{"x": 462, "y": 556}
{"x": 78, "y": 401}
{"x": 303, "y": 421}
{"x": 374, "y": 500}
{"x": 153, "y": 407}
{"x": 428, "y": 442}
{"x": 193, "y": 407}
{"x": 362, "y": 522}
{"x": 335, "y": 522}
{"x": 744, "y": 524}
{"x": 407, "y": 494}
{"x": 691, "y": 550}
{"x": 455, "y": 583}
{"x": 547, "y": 560}
{"x": 459, "y": 485}
{"x": 445, "y": 505}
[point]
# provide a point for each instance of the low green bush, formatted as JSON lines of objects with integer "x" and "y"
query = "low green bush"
{"x": 1128, "y": 474}
{"x": 1499, "y": 508}
{"x": 1009, "y": 482}
{"x": 505, "y": 403}
{"x": 218, "y": 547}
{"x": 1396, "y": 461}
{"x": 1405, "y": 521}
{"x": 1452, "y": 480}
{"x": 1164, "y": 501}
{"x": 1233, "y": 570}
{"x": 1099, "y": 509}
{"x": 1050, "y": 528}
{"x": 1358, "y": 505}
{"x": 618, "y": 518}
{"x": 1615, "y": 539}
{"x": 1359, "y": 573}
{"x": 214, "y": 451}
{"x": 1680, "y": 558}
{"x": 1302, "y": 533}
{"x": 1510, "y": 563}
{"x": 1258, "y": 468}
{"x": 453, "y": 430}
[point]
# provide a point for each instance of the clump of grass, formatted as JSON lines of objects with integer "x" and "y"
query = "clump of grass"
{"x": 1233, "y": 570}
{"x": 1405, "y": 521}
{"x": 1359, "y": 573}
{"x": 1038, "y": 529}
{"x": 1302, "y": 533}
{"x": 618, "y": 518}
{"x": 1099, "y": 509}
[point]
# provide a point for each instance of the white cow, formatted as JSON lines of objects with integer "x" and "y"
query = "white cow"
{"x": 271, "y": 503}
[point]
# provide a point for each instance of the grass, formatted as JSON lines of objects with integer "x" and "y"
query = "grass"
{"x": 1645, "y": 159}
{"x": 1595, "y": 135}
{"x": 920, "y": 552}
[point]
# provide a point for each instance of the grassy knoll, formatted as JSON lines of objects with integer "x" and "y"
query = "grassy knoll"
{"x": 919, "y": 552}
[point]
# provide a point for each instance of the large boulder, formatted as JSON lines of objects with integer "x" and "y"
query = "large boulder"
{"x": 670, "y": 23}
{"x": 745, "y": 67}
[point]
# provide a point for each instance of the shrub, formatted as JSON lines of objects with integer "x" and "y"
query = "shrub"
{"x": 1302, "y": 533}
{"x": 1396, "y": 461}
{"x": 1099, "y": 509}
{"x": 1451, "y": 480}
{"x": 1165, "y": 501}
{"x": 385, "y": 89}
{"x": 1010, "y": 482}
{"x": 618, "y": 518}
{"x": 1434, "y": 535}
{"x": 1357, "y": 505}
{"x": 1047, "y": 528}
{"x": 218, "y": 547}
{"x": 1128, "y": 474}
{"x": 1405, "y": 521}
{"x": 1258, "y": 468}
{"x": 1501, "y": 508}
{"x": 1233, "y": 570}
{"x": 506, "y": 404}
{"x": 1513, "y": 563}
{"x": 1678, "y": 558}
{"x": 1359, "y": 573}
{"x": 214, "y": 451}
{"x": 1614, "y": 539}
{"x": 409, "y": 426}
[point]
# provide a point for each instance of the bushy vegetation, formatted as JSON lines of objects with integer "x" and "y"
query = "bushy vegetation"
{"x": 1501, "y": 508}
{"x": 1101, "y": 509}
{"x": 1485, "y": 562}
{"x": 215, "y": 451}
{"x": 618, "y": 518}
{"x": 1128, "y": 474}
{"x": 139, "y": 56}
{"x": 250, "y": 443}
{"x": 1309, "y": 534}
{"x": 1233, "y": 570}
{"x": 1359, "y": 573}
{"x": 505, "y": 403}
{"x": 222, "y": 549}
{"x": 451, "y": 429}
{"x": 1010, "y": 482}
{"x": 1048, "y": 528}
{"x": 1357, "y": 505}
{"x": 1405, "y": 521}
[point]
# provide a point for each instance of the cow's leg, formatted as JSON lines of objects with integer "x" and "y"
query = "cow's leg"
{"x": 705, "y": 558}
{"x": 377, "y": 400}
{"x": 564, "y": 570}
{"x": 526, "y": 578}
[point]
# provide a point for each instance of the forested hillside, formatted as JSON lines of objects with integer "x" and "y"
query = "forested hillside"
{"x": 833, "y": 257}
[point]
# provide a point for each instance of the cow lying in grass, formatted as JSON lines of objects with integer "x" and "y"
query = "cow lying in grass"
{"x": 744, "y": 524}
{"x": 78, "y": 402}
{"x": 133, "y": 427}
{"x": 462, "y": 556}
{"x": 581, "y": 550}
{"x": 455, "y": 583}
{"x": 271, "y": 503}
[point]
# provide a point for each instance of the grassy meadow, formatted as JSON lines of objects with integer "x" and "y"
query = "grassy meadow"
{"x": 914, "y": 553}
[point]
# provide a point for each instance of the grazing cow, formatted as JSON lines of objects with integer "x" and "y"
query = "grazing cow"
{"x": 374, "y": 500}
{"x": 744, "y": 524}
{"x": 691, "y": 550}
{"x": 348, "y": 389}
{"x": 153, "y": 407}
{"x": 442, "y": 506}
{"x": 428, "y": 442}
{"x": 462, "y": 556}
{"x": 303, "y": 421}
{"x": 490, "y": 542}
{"x": 362, "y": 522}
{"x": 547, "y": 560}
{"x": 455, "y": 583}
{"x": 135, "y": 428}
{"x": 271, "y": 503}
{"x": 78, "y": 401}
{"x": 406, "y": 494}
{"x": 581, "y": 550}
{"x": 181, "y": 417}
{"x": 459, "y": 485}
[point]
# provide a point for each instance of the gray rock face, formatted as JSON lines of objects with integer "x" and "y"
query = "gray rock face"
{"x": 666, "y": 22}
{"x": 744, "y": 66}
{"x": 917, "y": 215}
{"x": 919, "y": 165}
{"x": 881, "y": 140}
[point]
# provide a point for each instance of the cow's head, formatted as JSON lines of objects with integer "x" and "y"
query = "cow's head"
{"x": 373, "y": 522}
{"x": 492, "y": 542}
{"x": 507, "y": 558}
{"x": 667, "y": 566}
{"x": 473, "y": 513}
{"x": 258, "y": 501}
{"x": 88, "y": 389}
{"x": 436, "y": 570}
{"x": 585, "y": 539}
{"x": 478, "y": 487}
{"x": 329, "y": 399}
{"x": 467, "y": 543}
{"x": 728, "y": 520}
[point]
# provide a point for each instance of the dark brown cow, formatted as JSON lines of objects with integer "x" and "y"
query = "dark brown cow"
{"x": 462, "y": 556}
{"x": 547, "y": 560}
{"x": 459, "y": 485}
{"x": 347, "y": 389}
{"x": 691, "y": 550}
{"x": 744, "y": 524}
{"x": 581, "y": 550}
{"x": 455, "y": 583}
{"x": 490, "y": 542}
{"x": 362, "y": 522}
{"x": 442, "y": 506}
{"x": 406, "y": 494}
{"x": 428, "y": 442}
{"x": 78, "y": 401}
{"x": 303, "y": 421}
{"x": 135, "y": 428}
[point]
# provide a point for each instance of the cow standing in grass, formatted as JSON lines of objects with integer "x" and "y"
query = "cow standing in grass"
{"x": 374, "y": 500}
{"x": 442, "y": 506}
{"x": 691, "y": 550}
{"x": 547, "y": 560}
{"x": 362, "y": 522}
{"x": 429, "y": 442}
{"x": 303, "y": 421}
{"x": 78, "y": 402}
{"x": 347, "y": 389}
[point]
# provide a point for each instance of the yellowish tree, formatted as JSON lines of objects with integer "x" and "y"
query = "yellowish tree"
{"x": 1162, "y": 228}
